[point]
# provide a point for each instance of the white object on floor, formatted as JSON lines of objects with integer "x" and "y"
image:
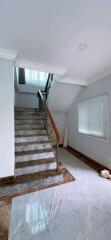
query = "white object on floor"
{"x": 106, "y": 174}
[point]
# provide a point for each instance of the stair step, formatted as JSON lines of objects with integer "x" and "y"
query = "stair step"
{"x": 18, "y": 113}
{"x": 33, "y": 162}
{"x": 29, "y": 156}
{"x": 32, "y": 147}
{"x": 28, "y": 117}
{"x": 30, "y": 132}
{"x": 29, "y": 121}
{"x": 28, "y": 126}
{"x": 35, "y": 169}
{"x": 27, "y": 109}
{"x": 31, "y": 139}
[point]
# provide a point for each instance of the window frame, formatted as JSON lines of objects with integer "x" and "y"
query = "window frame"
{"x": 105, "y": 138}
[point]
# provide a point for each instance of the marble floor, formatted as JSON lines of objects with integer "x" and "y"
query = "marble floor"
{"x": 79, "y": 210}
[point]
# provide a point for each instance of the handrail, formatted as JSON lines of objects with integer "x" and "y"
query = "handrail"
{"x": 51, "y": 118}
{"x": 47, "y": 82}
{"x": 47, "y": 87}
{"x": 49, "y": 124}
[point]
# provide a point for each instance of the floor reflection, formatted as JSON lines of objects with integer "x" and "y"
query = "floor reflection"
{"x": 35, "y": 217}
{"x": 79, "y": 210}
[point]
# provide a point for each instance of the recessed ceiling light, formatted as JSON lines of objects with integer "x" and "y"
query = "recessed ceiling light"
{"x": 82, "y": 46}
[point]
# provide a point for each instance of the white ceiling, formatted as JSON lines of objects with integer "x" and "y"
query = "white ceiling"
{"x": 46, "y": 35}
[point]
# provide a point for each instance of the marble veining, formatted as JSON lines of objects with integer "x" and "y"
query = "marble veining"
{"x": 29, "y": 126}
{"x": 27, "y": 186}
{"x": 32, "y": 146}
{"x": 27, "y": 113}
{"x": 27, "y": 109}
{"x": 28, "y": 121}
{"x": 27, "y": 117}
{"x": 29, "y": 132}
{"x": 31, "y": 139}
{"x": 35, "y": 169}
{"x": 34, "y": 156}
{"x": 79, "y": 210}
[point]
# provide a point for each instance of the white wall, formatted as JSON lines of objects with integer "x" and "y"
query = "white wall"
{"x": 96, "y": 148}
{"x": 62, "y": 95}
{"x": 6, "y": 119}
{"x": 26, "y": 100}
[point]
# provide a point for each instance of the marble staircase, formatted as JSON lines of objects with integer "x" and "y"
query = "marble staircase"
{"x": 33, "y": 151}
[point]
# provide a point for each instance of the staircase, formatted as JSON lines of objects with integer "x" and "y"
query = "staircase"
{"x": 33, "y": 150}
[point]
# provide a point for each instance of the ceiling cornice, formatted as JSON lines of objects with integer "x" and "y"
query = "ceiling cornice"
{"x": 99, "y": 76}
{"x": 40, "y": 67}
{"x": 8, "y": 54}
{"x": 79, "y": 82}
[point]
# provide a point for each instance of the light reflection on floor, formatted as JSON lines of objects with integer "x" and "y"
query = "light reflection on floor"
{"x": 79, "y": 210}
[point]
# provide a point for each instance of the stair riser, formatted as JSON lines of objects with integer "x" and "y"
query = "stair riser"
{"x": 27, "y": 114}
{"x": 26, "y": 110}
{"x": 28, "y": 117}
{"x": 33, "y": 163}
{"x": 37, "y": 147}
{"x": 23, "y": 121}
{"x": 35, "y": 157}
{"x": 32, "y": 126}
{"x": 37, "y": 168}
{"x": 29, "y": 132}
{"x": 31, "y": 139}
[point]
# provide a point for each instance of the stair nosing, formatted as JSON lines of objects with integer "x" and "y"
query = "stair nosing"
{"x": 24, "y": 174}
{"x": 34, "y": 162}
{"x": 17, "y": 124}
{"x": 28, "y": 129}
{"x": 20, "y": 136}
{"x": 24, "y": 153}
{"x": 31, "y": 143}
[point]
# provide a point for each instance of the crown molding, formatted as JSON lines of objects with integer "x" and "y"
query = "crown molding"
{"x": 41, "y": 67}
{"x": 78, "y": 82}
{"x": 99, "y": 76}
{"x": 8, "y": 54}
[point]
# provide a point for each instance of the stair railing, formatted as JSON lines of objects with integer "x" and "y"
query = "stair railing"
{"x": 53, "y": 133}
{"x": 48, "y": 86}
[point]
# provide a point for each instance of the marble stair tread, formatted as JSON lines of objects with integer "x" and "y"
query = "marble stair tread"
{"x": 30, "y": 132}
{"x": 32, "y": 146}
{"x": 27, "y": 113}
{"x": 42, "y": 138}
{"x": 33, "y": 155}
{"x": 35, "y": 169}
{"x": 27, "y": 109}
{"x": 28, "y": 117}
{"x": 28, "y": 121}
{"x": 28, "y": 126}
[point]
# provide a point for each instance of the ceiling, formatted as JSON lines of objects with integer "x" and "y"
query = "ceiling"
{"x": 46, "y": 35}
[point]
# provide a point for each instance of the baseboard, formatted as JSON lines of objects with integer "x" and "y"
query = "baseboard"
{"x": 61, "y": 145}
{"x": 89, "y": 161}
{"x": 7, "y": 180}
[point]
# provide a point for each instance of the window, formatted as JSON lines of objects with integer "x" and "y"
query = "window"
{"x": 35, "y": 78}
{"x": 93, "y": 116}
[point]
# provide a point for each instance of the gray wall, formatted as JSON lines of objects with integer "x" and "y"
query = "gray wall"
{"x": 26, "y": 100}
{"x": 96, "y": 148}
{"x": 7, "y": 156}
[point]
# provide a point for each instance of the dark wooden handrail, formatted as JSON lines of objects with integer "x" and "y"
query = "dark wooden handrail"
{"x": 50, "y": 117}
{"x": 47, "y": 82}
